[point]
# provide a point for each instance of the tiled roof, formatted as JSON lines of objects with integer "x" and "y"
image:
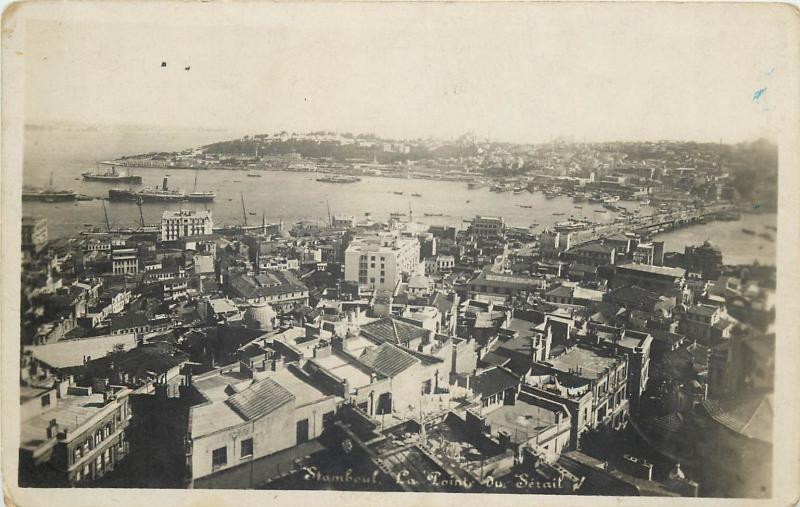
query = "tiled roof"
{"x": 561, "y": 291}
{"x": 259, "y": 399}
{"x": 749, "y": 415}
{"x": 706, "y": 311}
{"x": 387, "y": 359}
{"x": 392, "y": 330}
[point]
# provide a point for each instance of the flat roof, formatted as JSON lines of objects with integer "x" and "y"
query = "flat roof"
{"x": 211, "y": 417}
{"x": 590, "y": 362}
{"x": 70, "y": 412}
{"x": 344, "y": 369}
{"x": 303, "y": 392}
{"x": 656, "y": 270}
{"x": 522, "y": 420}
{"x": 212, "y": 386}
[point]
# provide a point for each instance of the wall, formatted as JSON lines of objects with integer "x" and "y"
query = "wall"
{"x": 274, "y": 432}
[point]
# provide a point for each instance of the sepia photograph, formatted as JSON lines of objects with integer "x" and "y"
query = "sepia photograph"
{"x": 529, "y": 249}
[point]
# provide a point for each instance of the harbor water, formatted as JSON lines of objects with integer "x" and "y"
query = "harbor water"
{"x": 290, "y": 196}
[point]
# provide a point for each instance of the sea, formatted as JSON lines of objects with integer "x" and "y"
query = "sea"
{"x": 64, "y": 153}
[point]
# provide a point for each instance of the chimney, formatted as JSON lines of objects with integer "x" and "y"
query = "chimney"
{"x": 165, "y": 183}
{"x": 52, "y": 428}
{"x": 99, "y": 385}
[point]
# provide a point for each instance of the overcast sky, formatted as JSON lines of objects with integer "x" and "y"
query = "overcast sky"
{"x": 514, "y": 72}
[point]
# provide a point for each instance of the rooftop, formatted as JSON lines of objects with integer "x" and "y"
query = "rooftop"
{"x": 186, "y": 213}
{"x": 583, "y": 361}
{"x": 387, "y": 359}
{"x": 70, "y": 413}
{"x": 68, "y": 353}
{"x": 522, "y": 420}
{"x": 259, "y": 399}
{"x": 494, "y": 380}
{"x": 656, "y": 270}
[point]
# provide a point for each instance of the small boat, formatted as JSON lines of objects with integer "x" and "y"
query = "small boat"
{"x": 524, "y": 205}
{"x": 398, "y": 193}
{"x": 600, "y": 211}
{"x": 558, "y": 214}
{"x": 253, "y": 175}
{"x": 416, "y": 195}
{"x": 433, "y": 214}
{"x": 251, "y": 213}
{"x": 766, "y": 236}
{"x": 468, "y": 201}
{"x": 338, "y": 179}
{"x": 748, "y": 231}
{"x": 578, "y": 207}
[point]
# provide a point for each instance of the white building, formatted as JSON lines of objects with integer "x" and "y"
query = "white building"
{"x": 484, "y": 226}
{"x": 378, "y": 261}
{"x": 184, "y": 223}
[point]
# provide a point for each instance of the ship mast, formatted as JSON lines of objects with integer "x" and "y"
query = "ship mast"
{"x": 244, "y": 211}
{"x": 105, "y": 213}
{"x": 194, "y": 188}
{"x": 139, "y": 204}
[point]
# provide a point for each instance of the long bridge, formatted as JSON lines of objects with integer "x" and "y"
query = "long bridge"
{"x": 647, "y": 224}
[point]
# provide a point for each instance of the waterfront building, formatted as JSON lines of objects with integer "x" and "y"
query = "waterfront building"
{"x": 184, "y": 223}
{"x": 705, "y": 259}
{"x": 488, "y": 227}
{"x": 379, "y": 261}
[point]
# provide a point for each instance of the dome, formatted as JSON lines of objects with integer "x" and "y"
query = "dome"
{"x": 260, "y": 316}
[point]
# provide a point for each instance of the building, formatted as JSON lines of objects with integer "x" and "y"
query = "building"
{"x": 598, "y": 370}
{"x": 72, "y": 435}
{"x": 592, "y": 254}
{"x": 250, "y": 415}
{"x": 632, "y": 344}
{"x": 34, "y": 234}
{"x": 124, "y": 261}
{"x": 281, "y": 289}
{"x": 184, "y": 223}
{"x": 705, "y": 259}
{"x": 659, "y": 279}
{"x": 503, "y": 286}
{"x": 488, "y": 227}
{"x": 378, "y": 262}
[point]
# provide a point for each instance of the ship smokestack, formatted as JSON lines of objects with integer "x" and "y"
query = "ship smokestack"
{"x": 165, "y": 183}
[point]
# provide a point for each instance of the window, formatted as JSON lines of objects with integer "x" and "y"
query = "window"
{"x": 327, "y": 418}
{"x": 45, "y": 400}
{"x": 247, "y": 447}
{"x": 219, "y": 457}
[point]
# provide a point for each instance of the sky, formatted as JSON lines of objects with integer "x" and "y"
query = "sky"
{"x": 510, "y": 72}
